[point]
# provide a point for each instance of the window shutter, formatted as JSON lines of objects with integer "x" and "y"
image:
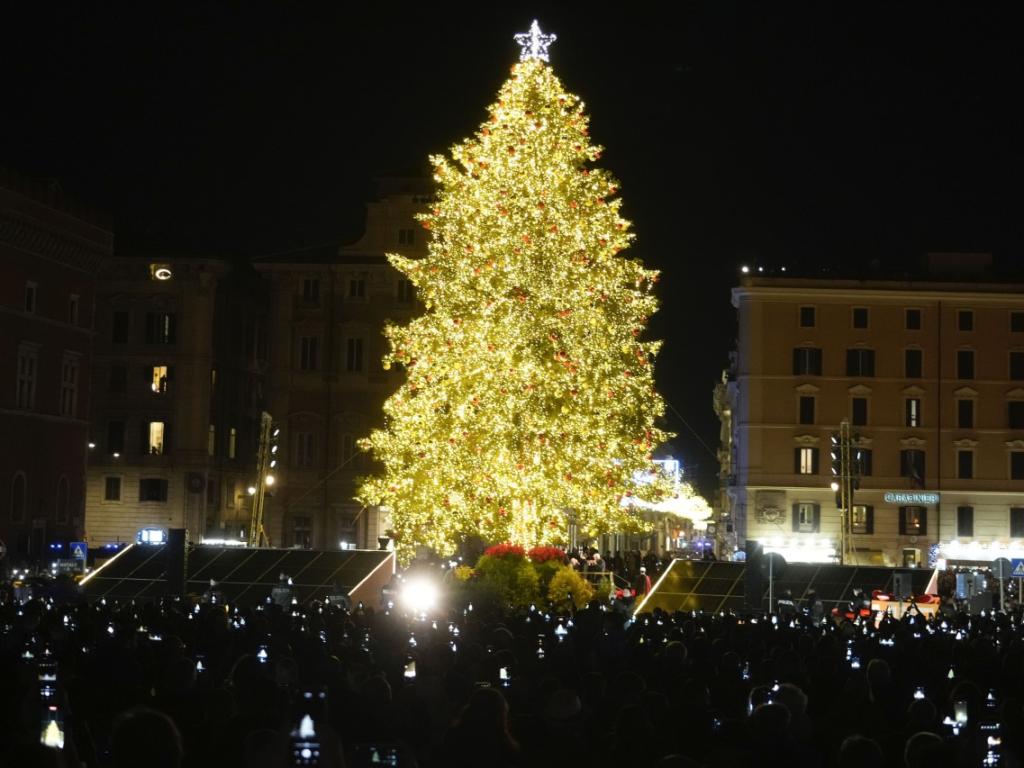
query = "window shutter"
{"x": 817, "y": 518}
{"x": 172, "y": 329}
{"x": 796, "y": 517}
{"x": 167, "y": 437}
{"x": 796, "y": 361}
{"x": 869, "y": 519}
{"x": 796, "y": 461}
{"x": 150, "y": 327}
{"x": 814, "y": 461}
{"x": 851, "y": 362}
{"x": 903, "y": 521}
{"x": 924, "y": 521}
{"x": 144, "y": 437}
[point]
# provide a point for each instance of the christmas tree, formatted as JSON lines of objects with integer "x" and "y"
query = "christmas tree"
{"x": 529, "y": 397}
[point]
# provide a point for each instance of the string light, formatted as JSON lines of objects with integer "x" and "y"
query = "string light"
{"x": 534, "y": 43}
{"x": 529, "y": 388}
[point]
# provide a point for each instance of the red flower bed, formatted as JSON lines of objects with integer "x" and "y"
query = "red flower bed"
{"x": 505, "y": 550}
{"x": 543, "y": 554}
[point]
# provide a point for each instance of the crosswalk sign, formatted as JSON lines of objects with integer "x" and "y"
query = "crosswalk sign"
{"x": 79, "y": 550}
{"x": 1018, "y": 568}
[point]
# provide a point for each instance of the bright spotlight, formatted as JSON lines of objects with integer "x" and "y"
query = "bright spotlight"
{"x": 420, "y": 595}
{"x": 270, "y": 480}
{"x": 835, "y": 486}
{"x": 252, "y": 490}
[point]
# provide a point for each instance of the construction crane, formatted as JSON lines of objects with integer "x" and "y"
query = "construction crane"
{"x": 266, "y": 464}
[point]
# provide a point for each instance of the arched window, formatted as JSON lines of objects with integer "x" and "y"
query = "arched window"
{"x": 63, "y": 501}
{"x": 18, "y": 498}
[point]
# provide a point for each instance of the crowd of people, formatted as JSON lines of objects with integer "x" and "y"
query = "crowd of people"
{"x": 196, "y": 684}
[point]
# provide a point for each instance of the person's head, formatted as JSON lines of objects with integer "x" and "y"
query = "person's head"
{"x": 486, "y": 715}
{"x": 925, "y": 749}
{"x": 859, "y": 752}
{"x": 792, "y": 698}
{"x": 643, "y": 569}
{"x": 145, "y": 738}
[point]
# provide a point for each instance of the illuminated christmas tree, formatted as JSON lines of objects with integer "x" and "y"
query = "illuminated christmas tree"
{"x": 530, "y": 396}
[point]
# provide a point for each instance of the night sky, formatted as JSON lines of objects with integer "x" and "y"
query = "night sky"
{"x": 741, "y": 133}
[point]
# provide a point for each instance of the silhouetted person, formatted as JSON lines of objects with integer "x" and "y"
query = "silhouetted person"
{"x": 145, "y": 738}
{"x": 480, "y": 736}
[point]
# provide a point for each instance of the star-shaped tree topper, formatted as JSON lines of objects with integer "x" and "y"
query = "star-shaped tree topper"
{"x": 534, "y": 43}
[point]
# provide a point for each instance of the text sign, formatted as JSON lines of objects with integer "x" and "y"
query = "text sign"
{"x": 911, "y": 497}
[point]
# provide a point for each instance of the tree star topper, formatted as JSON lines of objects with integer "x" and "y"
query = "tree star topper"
{"x": 534, "y": 43}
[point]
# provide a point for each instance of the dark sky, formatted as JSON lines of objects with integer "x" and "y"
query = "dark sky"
{"x": 740, "y": 132}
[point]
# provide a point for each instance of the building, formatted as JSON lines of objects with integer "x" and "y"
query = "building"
{"x": 50, "y": 250}
{"x": 326, "y": 385}
{"x": 177, "y": 395}
{"x": 930, "y": 376}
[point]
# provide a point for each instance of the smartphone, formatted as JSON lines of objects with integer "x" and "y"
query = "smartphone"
{"x": 919, "y": 692}
{"x": 960, "y": 712}
{"x": 52, "y": 733}
{"x": 376, "y": 755}
{"x": 304, "y": 744}
{"x": 410, "y": 669}
{"x": 504, "y": 677}
{"x": 262, "y": 654}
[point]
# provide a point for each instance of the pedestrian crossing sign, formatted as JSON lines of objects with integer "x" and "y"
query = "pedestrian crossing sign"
{"x": 79, "y": 550}
{"x": 1018, "y": 568}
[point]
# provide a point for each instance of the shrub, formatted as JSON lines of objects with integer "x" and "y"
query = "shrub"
{"x": 505, "y": 550}
{"x": 463, "y": 573}
{"x": 511, "y": 575}
{"x": 565, "y": 582}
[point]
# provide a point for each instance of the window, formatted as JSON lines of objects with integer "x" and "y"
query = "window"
{"x": 112, "y": 489}
{"x": 302, "y": 532}
{"x": 807, "y": 318}
{"x": 1015, "y": 414}
{"x": 806, "y": 409}
{"x": 211, "y": 441}
{"x": 965, "y": 320}
{"x": 73, "y": 309}
{"x": 1017, "y": 322}
{"x": 152, "y": 489}
{"x": 232, "y": 442}
{"x": 1017, "y": 522}
{"x": 63, "y": 508}
{"x": 159, "y": 375}
{"x": 311, "y": 290}
{"x": 912, "y": 465}
{"x": 806, "y": 517}
{"x": 406, "y": 291}
{"x": 912, "y": 320}
{"x": 18, "y": 495}
{"x": 115, "y": 438}
{"x": 212, "y": 497}
{"x": 406, "y": 236}
{"x": 160, "y": 328}
{"x": 357, "y": 288}
{"x": 1017, "y": 465}
{"x": 805, "y": 461}
{"x": 1017, "y": 366}
{"x": 119, "y": 328}
{"x": 28, "y": 362}
{"x": 860, "y": 317}
{"x": 354, "y": 355}
{"x": 965, "y": 464}
{"x": 965, "y": 413}
{"x": 912, "y": 363}
{"x": 307, "y": 358}
{"x": 864, "y": 461}
{"x": 912, "y": 412}
{"x": 213, "y": 380}
{"x": 305, "y": 449}
{"x": 965, "y": 522}
{"x": 860, "y": 362}
{"x": 69, "y": 385}
{"x": 859, "y": 411}
{"x": 913, "y": 521}
{"x": 348, "y": 448}
{"x": 862, "y": 519}
{"x": 965, "y": 364}
{"x": 30, "y": 296}
{"x": 154, "y": 444}
{"x": 118, "y": 381}
{"x": 806, "y": 361}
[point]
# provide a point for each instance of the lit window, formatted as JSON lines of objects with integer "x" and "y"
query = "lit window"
{"x": 211, "y": 441}
{"x": 913, "y": 412}
{"x": 232, "y": 438}
{"x": 806, "y": 518}
{"x": 862, "y": 519}
{"x": 806, "y": 462}
{"x": 912, "y": 521}
{"x": 156, "y": 438}
{"x": 158, "y": 379}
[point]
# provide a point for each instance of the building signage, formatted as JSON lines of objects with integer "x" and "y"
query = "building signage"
{"x": 911, "y": 497}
